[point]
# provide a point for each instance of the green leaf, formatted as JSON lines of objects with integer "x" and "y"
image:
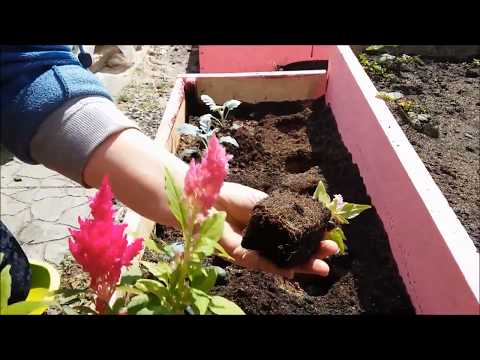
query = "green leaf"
{"x": 188, "y": 129}
{"x": 203, "y": 278}
{"x": 205, "y": 122}
{"x": 204, "y": 247}
{"x": 131, "y": 275}
{"x": 152, "y": 245}
{"x": 350, "y": 210}
{"x": 146, "y": 304}
{"x": 2, "y": 255}
{"x": 338, "y": 236}
{"x": 152, "y": 286}
{"x": 128, "y": 289}
{"x": 25, "y": 307}
{"x": 118, "y": 305}
{"x": 5, "y": 288}
{"x": 231, "y": 104}
{"x": 200, "y": 301}
{"x": 208, "y": 101}
{"x": 228, "y": 140}
{"x": 174, "y": 195}
{"x": 221, "y": 306}
{"x": 321, "y": 195}
{"x": 160, "y": 270}
{"x": 210, "y": 232}
{"x": 137, "y": 302}
{"x": 222, "y": 253}
{"x": 212, "y": 227}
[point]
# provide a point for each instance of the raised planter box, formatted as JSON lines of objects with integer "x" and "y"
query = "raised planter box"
{"x": 435, "y": 256}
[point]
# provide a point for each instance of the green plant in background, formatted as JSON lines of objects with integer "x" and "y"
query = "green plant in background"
{"x": 406, "y": 105}
{"x": 205, "y": 131}
{"x": 37, "y": 300}
{"x": 371, "y": 65}
{"x": 341, "y": 211}
{"x": 385, "y": 96}
{"x": 376, "y": 48}
{"x": 222, "y": 110}
{"x": 476, "y": 62}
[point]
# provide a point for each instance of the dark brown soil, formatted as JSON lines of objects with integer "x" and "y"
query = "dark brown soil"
{"x": 289, "y": 143}
{"x": 449, "y": 92}
{"x": 286, "y": 228}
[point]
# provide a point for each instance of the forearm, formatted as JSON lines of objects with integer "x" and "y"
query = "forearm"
{"x": 135, "y": 166}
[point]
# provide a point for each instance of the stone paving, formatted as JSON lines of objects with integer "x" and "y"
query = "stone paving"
{"x": 38, "y": 206}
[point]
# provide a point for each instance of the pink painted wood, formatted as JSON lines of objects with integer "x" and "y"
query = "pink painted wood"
{"x": 435, "y": 256}
{"x": 250, "y": 58}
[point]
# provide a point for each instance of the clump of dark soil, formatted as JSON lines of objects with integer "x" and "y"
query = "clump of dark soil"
{"x": 445, "y": 93}
{"x": 286, "y": 228}
{"x": 290, "y": 146}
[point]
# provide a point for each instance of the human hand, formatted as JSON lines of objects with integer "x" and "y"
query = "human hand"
{"x": 238, "y": 201}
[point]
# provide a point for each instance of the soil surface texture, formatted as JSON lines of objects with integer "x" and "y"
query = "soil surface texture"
{"x": 293, "y": 145}
{"x": 439, "y": 114}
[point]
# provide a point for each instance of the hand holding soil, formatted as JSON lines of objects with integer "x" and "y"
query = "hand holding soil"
{"x": 238, "y": 201}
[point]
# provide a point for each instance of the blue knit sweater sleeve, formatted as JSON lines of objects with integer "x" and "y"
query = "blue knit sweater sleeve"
{"x": 34, "y": 81}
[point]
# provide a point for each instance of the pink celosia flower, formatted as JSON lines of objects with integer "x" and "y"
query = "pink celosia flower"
{"x": 101, "y": 247}
{"x": 204, "y": 181}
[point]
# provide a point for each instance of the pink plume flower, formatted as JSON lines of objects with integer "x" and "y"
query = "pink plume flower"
{"x": 101, "y": 246}
{"x": 204, "y": 181}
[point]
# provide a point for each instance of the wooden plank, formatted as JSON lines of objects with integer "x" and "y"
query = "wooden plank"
{"x": 435, "y": 256}
{"x": 245, "y": 58}
{"x": 262, "y": 86}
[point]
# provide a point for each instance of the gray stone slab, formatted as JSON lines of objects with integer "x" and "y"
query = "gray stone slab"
{"x": 58, "y": 181}
{"x": 24, "y": 182}
{"x": 12, "y": 191}
{"x": 35, "y": 251}
{"x": 39, "y": 232}
{"x": 10, "y": 206}
{"x": 70, "y": 216}
{"x": 50, "y": 209}
{"x": 26, "y": 196}
{"x": 80, "y": 191}
{"x": 36, "y": 171}
{"x": 15, "y": 223}
{"x": 53, "y": 192}
{"x": 55, "y": 251}
{"x": 9, "y": 169}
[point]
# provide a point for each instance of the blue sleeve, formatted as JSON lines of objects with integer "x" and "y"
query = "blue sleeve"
{"x": 34, "y": 81}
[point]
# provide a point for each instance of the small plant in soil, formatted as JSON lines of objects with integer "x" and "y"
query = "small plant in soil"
{"x": 205, "y": 130}
{"x": 287, "y": 227}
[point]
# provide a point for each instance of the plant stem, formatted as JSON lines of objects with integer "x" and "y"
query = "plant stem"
{"x": 187, "y": 236}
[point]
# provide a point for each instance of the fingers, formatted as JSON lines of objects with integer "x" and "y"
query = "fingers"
{"x": 238, "y": 200}
{"x": 252, "y": 260}
{"x": 327, "y": 248}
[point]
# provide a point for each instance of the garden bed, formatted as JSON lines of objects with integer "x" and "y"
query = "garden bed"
{"x": 292, "y": 145}
{"x": 436, "y": 258}
{"x": 446, "y": 95}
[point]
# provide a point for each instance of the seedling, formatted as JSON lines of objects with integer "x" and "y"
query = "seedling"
{"x": 341, "y": 211}
{"x": 222, "y": 110}
{"x": 204, "y": 131}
